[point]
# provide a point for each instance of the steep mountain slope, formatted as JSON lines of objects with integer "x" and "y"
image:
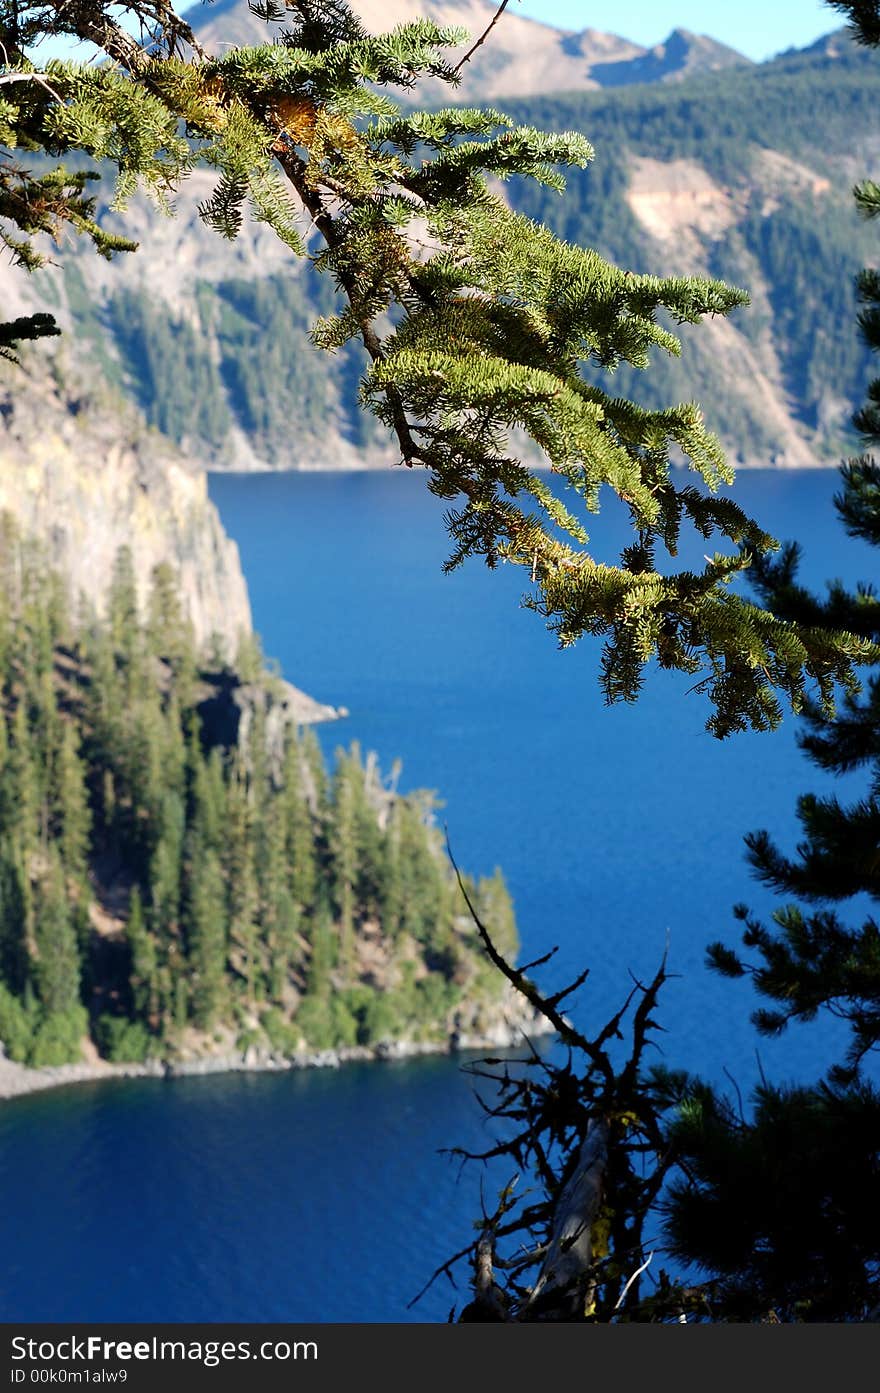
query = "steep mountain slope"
{"x": 744, "y": 174}
{"x": 524, "y": 56}
{"x": 728, "y": 175}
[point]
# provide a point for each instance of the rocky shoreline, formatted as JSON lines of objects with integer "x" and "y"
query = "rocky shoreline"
{"x": 18, "y": 1080}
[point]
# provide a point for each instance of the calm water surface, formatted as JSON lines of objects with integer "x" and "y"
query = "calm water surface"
{"x": 323, "y": 1196}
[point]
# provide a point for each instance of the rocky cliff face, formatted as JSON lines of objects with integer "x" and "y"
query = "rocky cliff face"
{"x": 86, "y": 480}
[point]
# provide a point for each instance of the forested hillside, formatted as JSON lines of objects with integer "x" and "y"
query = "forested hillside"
{"x": 176, "y": 881}
{"x": 747, "y": 175}
{"x": 744, "y": 173}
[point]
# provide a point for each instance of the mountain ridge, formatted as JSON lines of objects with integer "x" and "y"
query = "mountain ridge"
{"x": 525, "y": 56}
{"x": 720, "y": 173}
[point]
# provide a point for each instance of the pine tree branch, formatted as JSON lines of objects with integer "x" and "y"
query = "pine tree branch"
{"x": 463, "y": 370}
{"x": 295, "y": 170}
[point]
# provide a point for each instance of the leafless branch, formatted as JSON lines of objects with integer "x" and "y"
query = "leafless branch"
{"x": 40, "y": 78}
{"x": 483, "y": 37}
{"x": 445, "y": 1269}
{"x": 634, "y": 1278}
{"x": 539, "y": 962}
{"x": 527, "y": 989}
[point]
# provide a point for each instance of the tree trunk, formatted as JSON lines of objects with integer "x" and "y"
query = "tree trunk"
{"x": 570, "y": 1253}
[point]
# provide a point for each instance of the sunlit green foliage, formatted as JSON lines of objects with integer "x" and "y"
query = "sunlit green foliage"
{"x": 480, "y": 325}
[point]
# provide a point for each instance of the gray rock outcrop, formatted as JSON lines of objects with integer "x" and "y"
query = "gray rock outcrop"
{"x": 85, "y": 479}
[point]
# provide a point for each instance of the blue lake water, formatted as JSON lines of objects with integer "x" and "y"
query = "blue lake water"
{"x": 323, "y": 1196}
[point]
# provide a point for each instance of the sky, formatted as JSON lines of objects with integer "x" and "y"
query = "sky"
{"x": 758, "y": 28}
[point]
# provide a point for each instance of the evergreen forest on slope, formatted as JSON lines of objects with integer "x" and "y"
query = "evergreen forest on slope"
{"x": 166, "y": 891}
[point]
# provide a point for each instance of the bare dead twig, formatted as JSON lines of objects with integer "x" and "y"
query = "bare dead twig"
{"x": 634, "y": 1278}
{"x": 517, "y": 979}
{"x": 40, "y": 78}
{"x": 483, "y": 37}
{"x": 539, "y": 962}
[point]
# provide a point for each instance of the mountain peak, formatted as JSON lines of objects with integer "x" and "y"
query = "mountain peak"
{"x": 693, "y": 51}
{"x": 524, "y": 57}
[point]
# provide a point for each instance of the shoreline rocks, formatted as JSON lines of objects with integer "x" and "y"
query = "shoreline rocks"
{"x": 19, "y": 1080}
